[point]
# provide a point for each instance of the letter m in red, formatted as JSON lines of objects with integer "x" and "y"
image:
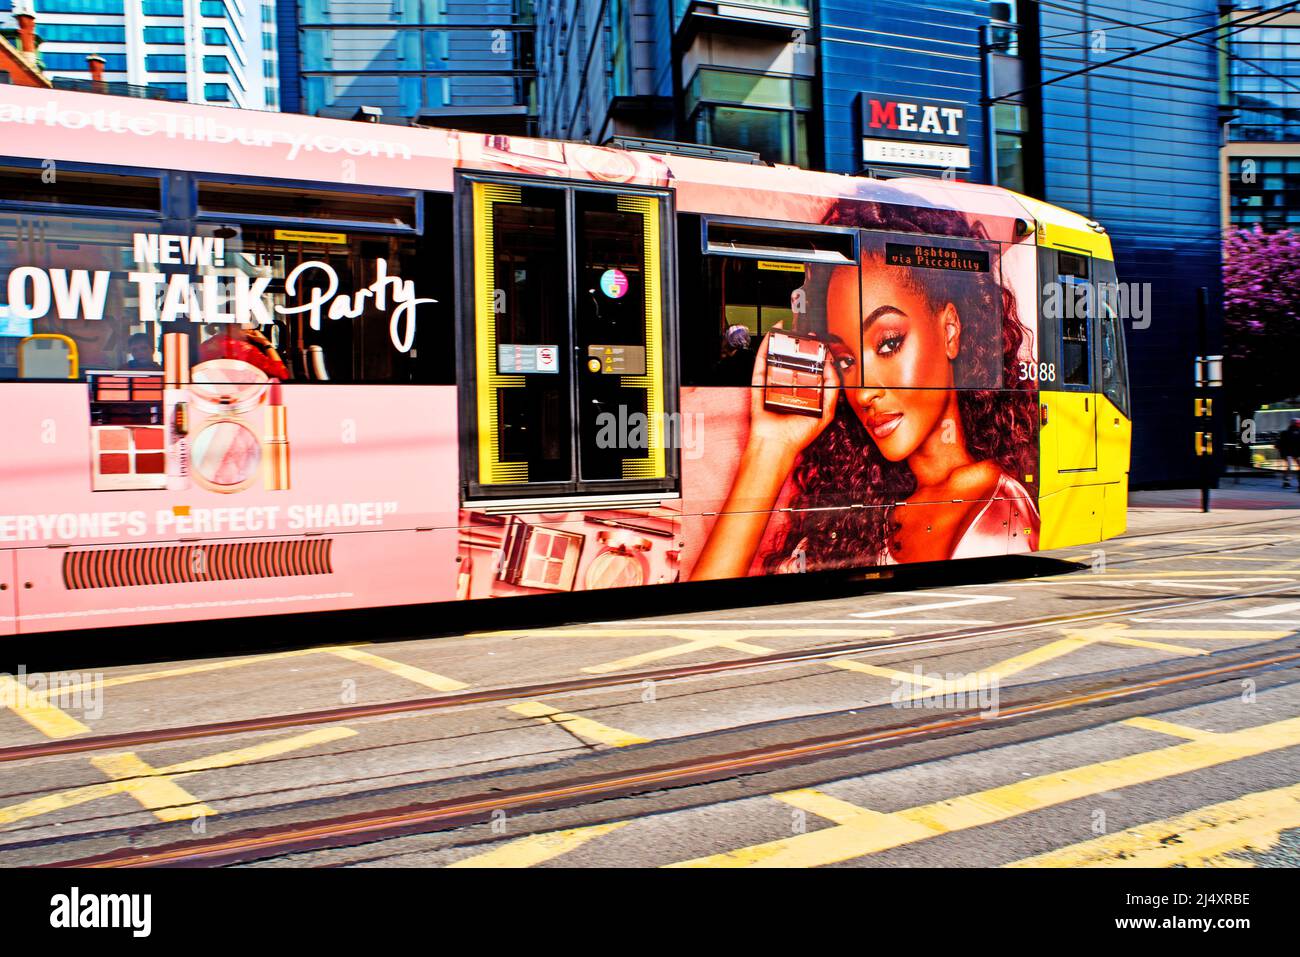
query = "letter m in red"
{"x": 885, "y": 115}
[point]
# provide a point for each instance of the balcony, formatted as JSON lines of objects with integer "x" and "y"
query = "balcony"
{"x": 110, "y": 87}
{"x": 761, "y": 18}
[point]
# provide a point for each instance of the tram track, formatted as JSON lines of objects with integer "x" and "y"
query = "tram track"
{"x": 377, "y": 825}
{"x": 447, "y": 701}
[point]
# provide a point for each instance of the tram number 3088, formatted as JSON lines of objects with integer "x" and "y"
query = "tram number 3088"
{"x": 1038, "y": 371}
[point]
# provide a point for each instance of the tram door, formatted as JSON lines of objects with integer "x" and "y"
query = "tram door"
{"x": 1077, "y": 402}
{"x": 565, "y": 339}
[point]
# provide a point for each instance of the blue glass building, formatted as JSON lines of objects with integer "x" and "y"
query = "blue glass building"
{"x": 461, "y": 63}
{"x": 968, "y": 89}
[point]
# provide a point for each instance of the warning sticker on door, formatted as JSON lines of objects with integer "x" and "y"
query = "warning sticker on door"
{"x": 519, "y": 359}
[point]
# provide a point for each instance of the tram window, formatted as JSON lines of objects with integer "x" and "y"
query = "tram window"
{"x": 1072, "y": 265}
{"x": 773, "y": 241}
{"x": 344, "y": 307}
{"x": 78, "y": 188}
{"x": 1076, "y": 318}
{"x": 72, "y": 284}
{"x": 248, "y": 199}
{"x": 730, "y": 302}
{"x": 1114, "y": 364}
{"x": 114, "y": 286}
{"x": 1075, "y": 350}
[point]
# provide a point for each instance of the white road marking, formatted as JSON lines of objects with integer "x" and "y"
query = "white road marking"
{"x": 957, "y": 600}
{"x": 1267, "y": 610}
{"x": 1218, "y": 621}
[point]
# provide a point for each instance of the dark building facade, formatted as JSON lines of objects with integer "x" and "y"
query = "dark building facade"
{"x": 967, "y": 89}
{"x": 1261, "y": 152}
{"x": 467, "y": 64}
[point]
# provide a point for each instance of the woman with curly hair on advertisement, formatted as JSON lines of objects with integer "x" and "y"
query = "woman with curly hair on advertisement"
{"x": 925, "y": 447}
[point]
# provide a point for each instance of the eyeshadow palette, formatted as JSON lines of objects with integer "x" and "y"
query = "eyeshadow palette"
{"x": 127, "y": 457}
{"x": 125, "y": 398}
{"x": 795, "y": 374}
{"x": 537, "y": 557}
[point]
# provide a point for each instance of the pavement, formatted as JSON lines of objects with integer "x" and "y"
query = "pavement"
{"x": 1216, "y": 763}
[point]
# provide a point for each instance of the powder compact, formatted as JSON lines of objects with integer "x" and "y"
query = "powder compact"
{"x": 796, "y": 373}
{"x": 225, "y": 439}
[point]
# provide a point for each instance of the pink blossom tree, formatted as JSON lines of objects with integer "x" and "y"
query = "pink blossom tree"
{"x": 1261, "y": 305}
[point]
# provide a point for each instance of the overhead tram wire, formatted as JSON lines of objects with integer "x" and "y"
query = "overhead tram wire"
{"x": 1244, "y": 24}
{"x": 1120, "y": 24}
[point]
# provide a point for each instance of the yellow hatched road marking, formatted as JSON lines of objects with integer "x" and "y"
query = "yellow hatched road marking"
{"x": 35, "y": 709}
{"x": 701, "y": 639}
{"x": 827, "y": 806}
{"x": 1227, "y": 634}
{"x": 876, "y": 832}
{"x": 1166, "y": 727}
{"x": 92, "y": 792}
{"x": 1196, "y": 839}
{"x": 729, "y": 640}
{"x": 585, "y": 728}
{"x": 162, "y": 795}
{"x": 892, "y": 674}
{"x": 411, "y": 673}
{"x": 1152, "y": 645}
{"x": 538, "y": 848}
{"x": 188, "y": 670}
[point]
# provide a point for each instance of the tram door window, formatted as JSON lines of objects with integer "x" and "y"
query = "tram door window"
{"x": 1076, "y": 319}
{"x": 564, "y": 334}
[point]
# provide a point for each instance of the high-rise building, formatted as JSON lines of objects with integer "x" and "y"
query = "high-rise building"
{"x": 459, "y": 63}
{"x": 1022, "y": 94}
{"x": 1261, "y": 152}
{"x": 203, "y": 51}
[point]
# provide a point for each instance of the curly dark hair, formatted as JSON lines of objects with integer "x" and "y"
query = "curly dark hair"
{"x": 999, "y": 414}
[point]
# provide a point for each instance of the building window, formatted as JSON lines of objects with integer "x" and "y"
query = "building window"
{"x": 113, "y": 62}
{"x": 216, "y": 92}
{"x": 212, "y": 8}
{"x": 165, "y": 63}
{"x": 215, "y": 37}
{"x": 216, "y": 64}
{"x": 1009, "y": 144}
{"x": 1265, "y": 76}
{"x": 164, "y": 35}
{"x": 763, "y": 112}
{"x": 81, "y": 33}
{"x": 78, "y": 6}
{"x": 173, "y": 91}
{"x": 1264, "y": 191}
{"x": 164, "y": 8}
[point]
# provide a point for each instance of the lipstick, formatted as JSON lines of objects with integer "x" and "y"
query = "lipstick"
{"x": 176, "y": 381}
{"x": 275, "y": 441}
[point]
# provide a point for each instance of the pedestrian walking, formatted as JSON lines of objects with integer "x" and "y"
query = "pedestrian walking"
{"x": 1288, "y": 447}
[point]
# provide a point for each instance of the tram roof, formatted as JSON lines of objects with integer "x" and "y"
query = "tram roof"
{"x": 57, "y": 124}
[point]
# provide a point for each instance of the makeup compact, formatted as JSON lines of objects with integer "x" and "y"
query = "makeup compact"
{"x": 225, "y": 434}
{"x": 796, "y": 373}
{"x": 535, "y": 556}
{"x": 127, "y": 435}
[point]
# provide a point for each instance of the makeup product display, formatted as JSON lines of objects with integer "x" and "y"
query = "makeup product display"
{"x": 796, "y": 374}
{"x": 225, "y": 424}
{"x": 176, "y": 380}
{"x": 276, "y": 441}
{"x": 221, "y": 425}
{"x": 535, "y": 556}
{"x": 565, "y": 551}
{"x": 127, "y": 435}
